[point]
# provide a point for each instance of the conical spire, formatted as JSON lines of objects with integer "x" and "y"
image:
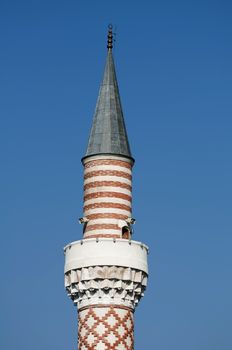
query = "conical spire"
{"x": 108, "y": 133}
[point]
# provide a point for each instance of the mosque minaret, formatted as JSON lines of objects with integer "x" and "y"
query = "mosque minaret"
{"x": 106, "y": 271}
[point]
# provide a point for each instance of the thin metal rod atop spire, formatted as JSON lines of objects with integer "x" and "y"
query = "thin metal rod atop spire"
{"x": 110, "y": 37}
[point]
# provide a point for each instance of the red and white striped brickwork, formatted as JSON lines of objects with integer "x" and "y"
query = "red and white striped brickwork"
{"x": 105, "y": 327}
{"x": 107, "y": 195}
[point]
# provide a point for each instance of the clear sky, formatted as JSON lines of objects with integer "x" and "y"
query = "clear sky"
{"x": 173, "y": 62}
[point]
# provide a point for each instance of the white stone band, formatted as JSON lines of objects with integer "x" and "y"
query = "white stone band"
{"x": 106, "y": 251}
{"x": 107, "y": 210}
{"x": 108, "y": 189}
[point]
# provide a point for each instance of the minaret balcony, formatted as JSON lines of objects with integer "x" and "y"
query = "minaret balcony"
{"x": 106, "y": 271}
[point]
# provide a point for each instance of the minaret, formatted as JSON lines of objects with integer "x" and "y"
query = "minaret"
{"x": 106, "y": 271}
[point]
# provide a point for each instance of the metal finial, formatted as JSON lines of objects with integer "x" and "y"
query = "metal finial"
{"x": 110, "y": 37}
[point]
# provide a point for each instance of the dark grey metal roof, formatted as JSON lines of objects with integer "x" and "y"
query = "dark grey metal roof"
{"x": 108, "y": 133}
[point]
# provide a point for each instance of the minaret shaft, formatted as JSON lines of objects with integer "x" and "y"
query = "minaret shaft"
{"x": 107, "y": 196}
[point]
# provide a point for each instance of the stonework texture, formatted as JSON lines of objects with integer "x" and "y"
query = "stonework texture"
{"x": 106, "y": 285}
{"x": 105, "y": 327}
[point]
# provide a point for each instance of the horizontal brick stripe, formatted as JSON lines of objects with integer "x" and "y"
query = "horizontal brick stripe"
{"x": 108, "y": 167}
{"x": 107, "y": 173}
{"x": 107, "y": 200}
{"x": 102, "y": 227}
{"x": 103, "y": 221}
{"x": 107, "y": 216}
{"x": 107, "y": 183}
{"x": 102, "y": 236}
{"x": 107, "y": 178}
{"x": 108, "y": 162}
{"x": 107, "y": 194}
{"x": 107, "y": 205}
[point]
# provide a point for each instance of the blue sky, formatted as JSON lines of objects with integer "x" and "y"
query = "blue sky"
{"x": 173, "y": 62}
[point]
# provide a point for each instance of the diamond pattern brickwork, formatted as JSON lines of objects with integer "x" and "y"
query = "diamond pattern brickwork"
{"x": 106, "y": 328}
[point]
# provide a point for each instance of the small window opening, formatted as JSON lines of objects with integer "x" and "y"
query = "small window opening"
{"x": 126, "y": 233}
